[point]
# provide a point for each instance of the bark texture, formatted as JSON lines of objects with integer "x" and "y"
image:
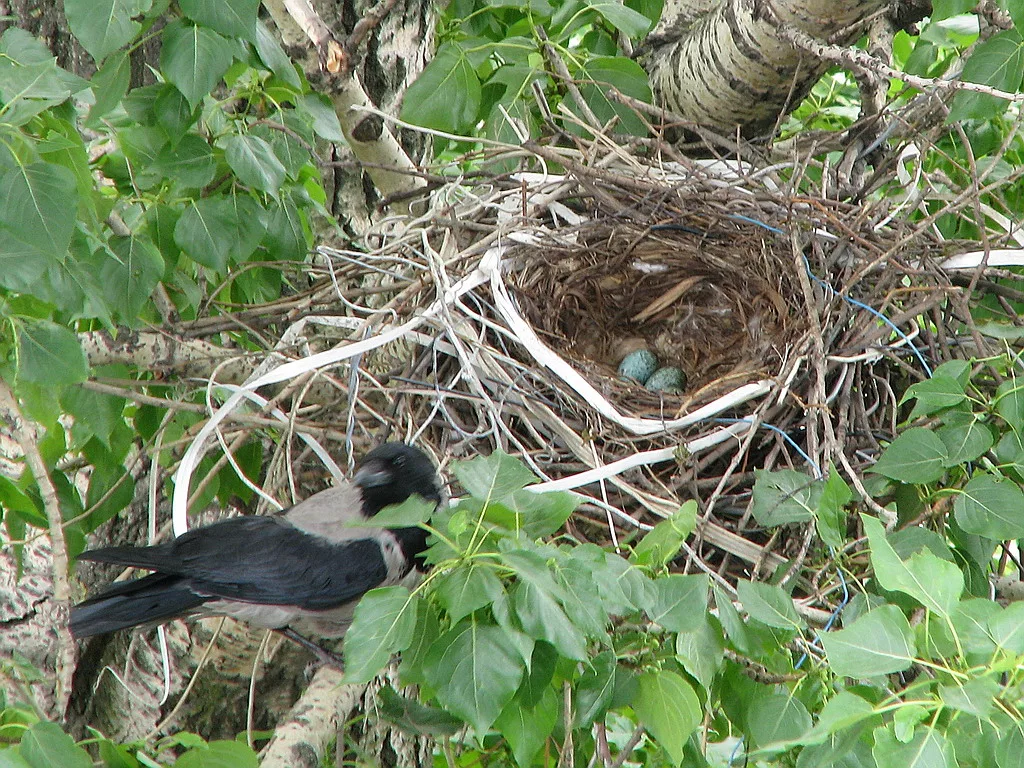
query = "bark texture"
{"x": 732, "y": 66}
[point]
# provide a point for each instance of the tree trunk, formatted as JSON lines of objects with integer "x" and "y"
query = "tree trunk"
{"x": 731, "y": 65}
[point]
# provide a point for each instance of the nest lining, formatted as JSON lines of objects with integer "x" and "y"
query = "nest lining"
{"x": 719, "y": 304}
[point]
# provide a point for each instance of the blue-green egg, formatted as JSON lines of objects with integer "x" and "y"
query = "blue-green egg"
{"x": 638, "y": 365}
{"x": 669, "y": 380}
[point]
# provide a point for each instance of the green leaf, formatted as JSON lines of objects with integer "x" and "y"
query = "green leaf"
{"x": 935, "y": 583}
{"x": 594, "y": 689}
{"x": 623, "y": 18}
{"x": 680, "y": 602}
{"x": 175, "y": 117}
{"x": 194, "y": 59}
{"x": 661, "y": 544}
{"x": 841, "y": 712}
{"x": 109, "y": 85}
{"x": 917, "y": 456}
{"x": 101, "y": 414}
{"x": 784, "y": 497}
{"x": 541, "y": 514}
{"x": 37, "y": 218}
{"x": 464, "y": 590}
{"x": 286, "y": 237}
{"x": 701, "y": 651}
{"x": 130, "y": 274}
{"x": 190, "y": 162}
{"x": 527, "y": 728}
{"x": 233, "y": 18}
{"x": 475, "y": 670}
{"x": 975, "y": 697}
{"x": 1009, "y": 752}
{"x": 543, "y": 619}
{"x": 219, "y": 754}
{"x": 878, "y": 643}
{"x": 769, "y": 604}
{"x": 254, "y": 162}
{"x": 1007, "y": 628}
{"x": 998, "y": 62}
{"x": 626, "y": 76}
{"x": 104, "y": 26}
{"x": 933, "y": 395}
{"x": 45, "y": 744}
{"x": 778, "y": 717}
{"x": 830, "y": 515}
{"x": 447, "y": 94}
{"x": 965, "y": 442}
{"x": 990, "y": 506}
{"x": 1009, "y": 403}
{"x": 49, "y": 354}
{"x": 272, "y": 54}
{"x": 413, "y": 717}
{"x": 927, "y": 749}
{"x": 493, "y": 477}
{"x": 667, "y": 707}
{"x": 383, "y": 624}
{"x": 216, "y": 230}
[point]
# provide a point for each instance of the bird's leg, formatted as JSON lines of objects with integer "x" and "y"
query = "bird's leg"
{"x": 325, "y": 656}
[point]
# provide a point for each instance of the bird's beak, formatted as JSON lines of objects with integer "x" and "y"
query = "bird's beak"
{"x": 372, "y": 475}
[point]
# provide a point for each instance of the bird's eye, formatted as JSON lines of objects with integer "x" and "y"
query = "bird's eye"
{"x": 398, "y": 461}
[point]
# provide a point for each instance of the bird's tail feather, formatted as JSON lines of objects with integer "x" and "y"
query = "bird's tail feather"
{"x": 149, "y": 600}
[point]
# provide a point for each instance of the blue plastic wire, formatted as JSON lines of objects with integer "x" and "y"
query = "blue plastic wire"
{"x": 787, "y": 438}
{"x": 769, "y": 227}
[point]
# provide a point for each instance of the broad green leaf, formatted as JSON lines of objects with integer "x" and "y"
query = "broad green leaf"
{"x": 539, "y": 674}
{"x": 927, "y": 749}
{"x": 785, "y": 496}
{"x": 842, "y": 711}
{"x": 778, "y": 717}
{"x": 627, "y": 77}
{"x": 410, "y": 513}
{"x": 475, "y": 670}
{"x": 194, "y": 59}
{"x": 990, "y": 506}
{"x": 527, "y": 728}
{"x": 175, "y": 116}
{"x": 965, "y": 442}
{"x": 36, "y": 221}
{"x": 219, "y": 754}
{"x": 49, "y": 354}
{"x": 542, "y": 618}
{"x": 661, "y": 544}
{"x": 769, "y": 604}
{"x": 1009, "y": 403}
{"x": 701, "y": 651}
{"x": 916, "y": 456}
{"x": 100, "y": 413}
{"x": 190, "y": 162}
{"x": 272, "y": 54}
{"x": 830, "y": 515}
{"x": 233, "y": 18}
{"x": 467, "y": 589}
{"x": 286, "y": 236}
{"x": 447, "y": 94}
{"x": 933, "y": 395}
{"x": 413, "y": 717}
{"x": 109, "y": 85}
{"x": 622, "y": 17}
{"x": 425, "y": 633}
{"x": 878, "y": 643}
{"x": 935, "y": 583}
{"x": 383, "y": 624}
{"x": 540, "y": 514}
{"x": 594, "y": 689}
{"x": 130, "y": 274}
{"x": 667, "y": 707}
{"x": 46, "y": 744}
{"x": 1009, "y": 751}
{"x": 103, "y": 26}
{"x": 217, "y": 230}
{"x": 320, "y": 111}
{"x": 1007, "y": 628}
{"x": 680, "y": 602}
{"x": 997, "y": 62}
{"x": 494, "y": 476}
{"x": 975, "y": 697}
{"x": 254, "y": 162}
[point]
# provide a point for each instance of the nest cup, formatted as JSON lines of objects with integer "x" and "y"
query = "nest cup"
{"x": 714, "y": 297}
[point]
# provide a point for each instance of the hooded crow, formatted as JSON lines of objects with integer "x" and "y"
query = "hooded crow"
{"x": 301, "y": 571}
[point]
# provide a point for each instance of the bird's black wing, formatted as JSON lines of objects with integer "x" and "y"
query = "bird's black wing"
{"x": 262, "y": 560}
{"x": 150, "y": 600}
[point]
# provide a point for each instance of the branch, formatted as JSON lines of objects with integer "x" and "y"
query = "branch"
{"x": 161, "y": 352}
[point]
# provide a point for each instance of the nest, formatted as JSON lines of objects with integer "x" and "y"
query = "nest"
{"x": 497, "y": 318}
{"x": 715, "y": 303}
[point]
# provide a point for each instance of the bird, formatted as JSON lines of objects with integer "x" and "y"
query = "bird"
{"x": 299, "y": 572}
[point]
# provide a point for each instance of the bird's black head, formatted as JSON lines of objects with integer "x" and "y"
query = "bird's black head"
{"x": 391, "y": 473}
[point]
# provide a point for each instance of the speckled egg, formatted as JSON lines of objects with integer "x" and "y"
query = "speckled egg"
{"x": 638, "y": 365}
{"x": 669, "y": 380}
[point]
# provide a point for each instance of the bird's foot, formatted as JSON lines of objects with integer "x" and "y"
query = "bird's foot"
{"x": 325, "y": 656}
